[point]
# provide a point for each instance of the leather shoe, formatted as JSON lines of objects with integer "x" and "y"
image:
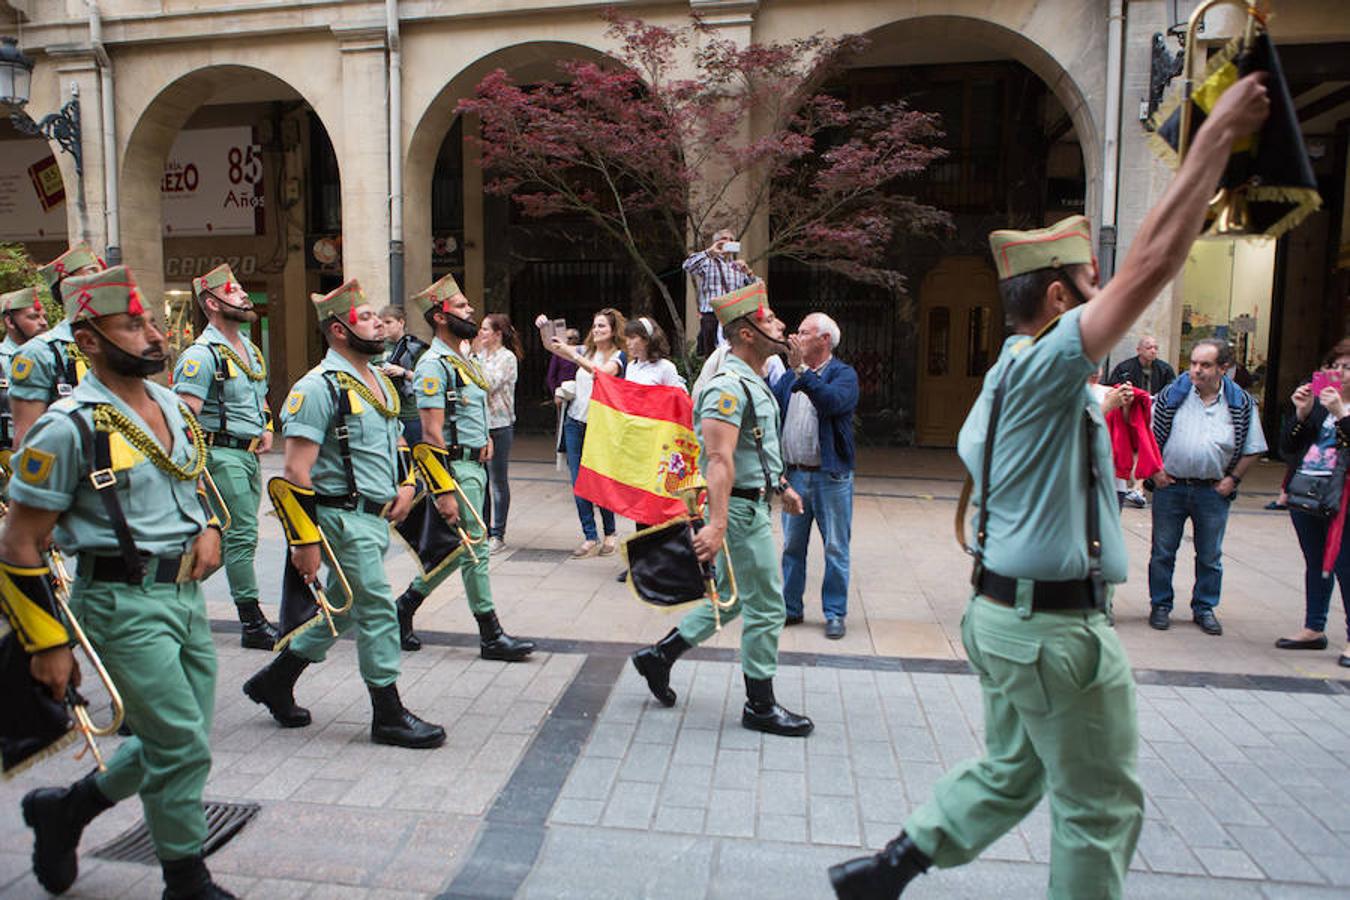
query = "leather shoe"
{"x": 881, "y": 876}
{"x": 1317, "y": 643}
{"x": 1160, "y": 618}
{"x": 834, "y": 628}
{"x": 792, "y": 620}
{"x": 1208, "y": 622}
{"x": 1343, "y": 660}
{"x": 762, "y": 712}
{"x": 391, "y": 723}
{"x": 653, "y": 664}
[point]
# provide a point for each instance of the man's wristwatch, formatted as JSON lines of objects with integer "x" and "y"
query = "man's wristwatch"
{"x": 781, "y": 488}
{"x": 1236, "y": 479}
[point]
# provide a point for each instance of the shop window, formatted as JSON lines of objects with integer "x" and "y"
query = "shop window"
{"x": 939, "y": 340}
{"x": 977, "y": 341}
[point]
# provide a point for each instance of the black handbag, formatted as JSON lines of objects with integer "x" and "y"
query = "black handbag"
{"x": 1317, "y": 495}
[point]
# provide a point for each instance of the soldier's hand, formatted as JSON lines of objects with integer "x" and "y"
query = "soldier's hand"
{"x": 1243, "y": 107}
{"x": 792, "y": 502}
{"x": 265, "y": 442}
{"x": 55, "y": 669}
{"x": 708, "y": 541}
{"x": 488, "y": 451}
{"x": 205, "y": 554}
{"x": 448, "y": 506}
{"x": 306, "y": 561}
{"x": 402, "y": 504}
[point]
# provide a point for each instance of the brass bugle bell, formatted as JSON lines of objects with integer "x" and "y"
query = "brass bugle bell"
{"x": 695, "y": 499}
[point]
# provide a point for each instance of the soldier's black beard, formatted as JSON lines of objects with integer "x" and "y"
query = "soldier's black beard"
{"x": 361, "y": 345}
{"x": 238, "y": 313}
{"x": 464, "y": 329}
{"x": 129, "y": 365}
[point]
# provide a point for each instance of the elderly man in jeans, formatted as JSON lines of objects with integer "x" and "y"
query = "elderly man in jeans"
{"x": 1209, "y": 433}
{"x": 818, "y": 396}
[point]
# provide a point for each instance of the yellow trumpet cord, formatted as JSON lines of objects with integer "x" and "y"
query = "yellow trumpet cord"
{"x": 109, "y": 419}
{"x": 347, "y": 382}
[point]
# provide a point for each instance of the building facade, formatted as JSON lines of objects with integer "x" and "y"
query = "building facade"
{"x": 309, "y": 140}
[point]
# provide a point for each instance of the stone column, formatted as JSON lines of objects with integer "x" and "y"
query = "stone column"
{"x": 475, "y": 254}
{"x": 362, "y": 147}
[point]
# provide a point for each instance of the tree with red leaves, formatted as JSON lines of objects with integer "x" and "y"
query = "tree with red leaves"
{"x": 684, "y": 133}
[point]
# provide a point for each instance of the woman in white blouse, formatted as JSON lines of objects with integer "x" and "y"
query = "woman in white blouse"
{"x": 599, "y": 354}
{"x": 649, "y": 354}
{"x": 501, "y": 354}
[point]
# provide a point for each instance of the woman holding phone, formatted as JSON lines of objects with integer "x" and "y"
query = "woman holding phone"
{"x": 600, "y": 353}
{"x": 1315, "y": 441}
{"x": 501, "y": 352}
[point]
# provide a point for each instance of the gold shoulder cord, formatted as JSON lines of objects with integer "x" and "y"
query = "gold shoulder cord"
{"x": 347, "y": 382}
{"x": 469, "y": 370}
{"x": 228, "y": 352}
{"x": 109, "y": 419}
{"x": 77, "y": 355}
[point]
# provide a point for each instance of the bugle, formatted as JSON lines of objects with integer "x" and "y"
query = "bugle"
{"x": 222, "y": 510}
{"x": 304, "y": 602}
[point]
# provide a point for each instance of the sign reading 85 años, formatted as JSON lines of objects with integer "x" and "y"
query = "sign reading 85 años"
{"x": 213, "y": 183}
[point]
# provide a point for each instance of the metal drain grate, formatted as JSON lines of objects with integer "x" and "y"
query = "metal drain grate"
{"x": 537, "y": 555}
{"x": 223, "y": 821}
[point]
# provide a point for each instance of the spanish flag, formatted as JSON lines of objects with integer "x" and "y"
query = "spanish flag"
{"x": 640, "y": 448}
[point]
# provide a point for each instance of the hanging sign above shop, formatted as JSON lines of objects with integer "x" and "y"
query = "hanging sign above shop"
{"x": 213, "y": 183}
{"x": 32, "y": 196}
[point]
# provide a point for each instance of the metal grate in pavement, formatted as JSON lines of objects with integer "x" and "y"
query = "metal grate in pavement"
{"x": 223, "y": 822}
{"x": 538, "y": 554}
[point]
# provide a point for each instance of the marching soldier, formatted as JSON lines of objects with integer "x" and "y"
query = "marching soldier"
{"x": 50, "y": 367}
{"x": 222, "y": 377}
{"x": 140, "y": 556}
{"x": 736, "y": 417}
{"x": 452, "y": 399}
{"x": 25, "y": 317}
{"x": 1059, "y": 698}
{"x": 342, "y": 467}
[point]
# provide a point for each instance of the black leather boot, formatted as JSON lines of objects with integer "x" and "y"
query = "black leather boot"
{"x": 762, "y": 712}
{"x": 880, "y": 877}
{"x": 493, "y": 643}
{"x": 392, "y": 724}
{"x": 273, "y": 687}
{"x": 653, "y": 663}
{"x": 57, "y": 817}
{"x": 189, "y": 879}
{"x": 258, "y": 633}
{"x": 406, "y": 606}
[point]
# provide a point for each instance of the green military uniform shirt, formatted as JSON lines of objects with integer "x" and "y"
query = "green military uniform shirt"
{"x": 7, "y": 350}
{"x": 466, "y": 424}
{"x": 37, "y": 369}
{"x": 165, "y": 515}
{"x": 1037, "y": 517}
{"x": 245, "y": 399}
{"x": 311, "y": 413}
{"x": 723, "y": 399}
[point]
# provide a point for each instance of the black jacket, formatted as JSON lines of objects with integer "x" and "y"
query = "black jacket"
{"x": 1130, "y": 370}
{"x": 1296, "y": 437}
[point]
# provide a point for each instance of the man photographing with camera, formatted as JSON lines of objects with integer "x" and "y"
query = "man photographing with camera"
{"x": 716, "y": 271}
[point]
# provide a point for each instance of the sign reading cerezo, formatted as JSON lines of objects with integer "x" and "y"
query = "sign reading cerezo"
{"x": 213, "y": 183}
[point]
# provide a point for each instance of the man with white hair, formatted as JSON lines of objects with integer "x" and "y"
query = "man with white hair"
{"x": 818, "y": 395}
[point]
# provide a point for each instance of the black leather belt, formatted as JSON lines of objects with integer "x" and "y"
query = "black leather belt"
{"x": 793, "y": 467}
{"x": 1197, "y": 482}
{"x": 752, "y": 494}
{"x": 465, "y": 454}
{"x": 163, "y": 569}
{"x": 1047, "y": 595}
{"x": 230, "y": 442}
{"x": 352, "y": 504}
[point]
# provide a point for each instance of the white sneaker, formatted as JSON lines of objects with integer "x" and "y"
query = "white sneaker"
{"x": 495, "y": 545}
{"x": 1136, "y": 499}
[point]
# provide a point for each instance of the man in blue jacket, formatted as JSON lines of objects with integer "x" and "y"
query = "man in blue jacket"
{"x": 818, "y": 395}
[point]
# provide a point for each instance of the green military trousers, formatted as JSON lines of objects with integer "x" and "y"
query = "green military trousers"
{"x": 238, "y": 477}
{"x": 472, "y": 479}
{"x": 759, "y": 582}
{"x": 1059, "y": 716}
{"x": 359, "y": 540}
{"x": 155, "y": 641}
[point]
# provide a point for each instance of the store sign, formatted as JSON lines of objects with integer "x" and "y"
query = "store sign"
{"x": 213, "y": 183}
{"x": 181, "y": 267}
{"x": 32, "y": 196}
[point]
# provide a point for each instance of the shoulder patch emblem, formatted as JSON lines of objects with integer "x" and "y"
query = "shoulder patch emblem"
{"x": 727, "y": 403}
{"x": 191, "y": 367}
{"x": 294, "y": 401}
{"x": 431, "y": 385}
{"x": 21, "y": 368}
{"x": 34, "y": 465}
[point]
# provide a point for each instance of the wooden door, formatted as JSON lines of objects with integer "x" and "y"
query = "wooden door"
{"x": 960, "y": 330}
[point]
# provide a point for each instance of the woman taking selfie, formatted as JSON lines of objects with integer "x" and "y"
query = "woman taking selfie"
{"x": 501, "y": 353}
{"x": 599, "y": 354}
{"x": 1315, "y": 441}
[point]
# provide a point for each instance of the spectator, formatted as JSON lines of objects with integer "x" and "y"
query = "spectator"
{"x": 600, "y": 354}
{"x": 501, "y": 353}
{"x": 715, "y": 272}
{"x": 560, "y": 369}
{"x": 402, "y": 350}
{"x": 1315, "y": 441}
{"x": 818, "y": 397}
{"x": 1144, "y": 370}
{"x": 1112, "y": 398}
{"x": 1209, "y": 435}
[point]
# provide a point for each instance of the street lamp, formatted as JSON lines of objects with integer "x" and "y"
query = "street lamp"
{"x": 1163, "y": 66}
{"x": 16, "y": 82}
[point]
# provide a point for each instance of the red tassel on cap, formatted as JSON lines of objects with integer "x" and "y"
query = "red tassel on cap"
{"x": 759, "y": 312}
{"x": 351, "y": 315}
{"x": 37, "y": 305}
{"x": 134, "y": 307}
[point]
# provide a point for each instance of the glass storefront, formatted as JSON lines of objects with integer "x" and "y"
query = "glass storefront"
{"x": 1227, "y": 286}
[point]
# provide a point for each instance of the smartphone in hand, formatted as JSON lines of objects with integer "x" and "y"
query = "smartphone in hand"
{"x": 1322, "y": 379}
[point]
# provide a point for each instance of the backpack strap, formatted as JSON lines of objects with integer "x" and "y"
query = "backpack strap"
{"x": 221, "y": 376}
{"x": 451, "y": 402}
{"x": 97, "y": 446}
{"x": 342, "y": 401}
{"x": 65, "y": 368}
{"x": 749, "y": 419}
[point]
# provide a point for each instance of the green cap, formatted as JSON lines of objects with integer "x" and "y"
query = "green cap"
{"x": 34, "y": 295}
{"x": 77, "y": 257}
{"x": 218, "y": 279}
{"x": 1066, "y": 243}
{"x": 104, "y": 293}
{"x": 741, "y": 302}
{"x": 434, "y": 296}
{"x": 340, "y": 302}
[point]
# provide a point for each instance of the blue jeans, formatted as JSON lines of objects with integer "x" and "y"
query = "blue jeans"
{"x": 828, "y": 501}
{"x": 498, "y": 503}
{"x": 412, "y": 430}
{"x": 1208, "y": 511}
{"x": 574, "y": 436}
{"x": 1312, "y": 537}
